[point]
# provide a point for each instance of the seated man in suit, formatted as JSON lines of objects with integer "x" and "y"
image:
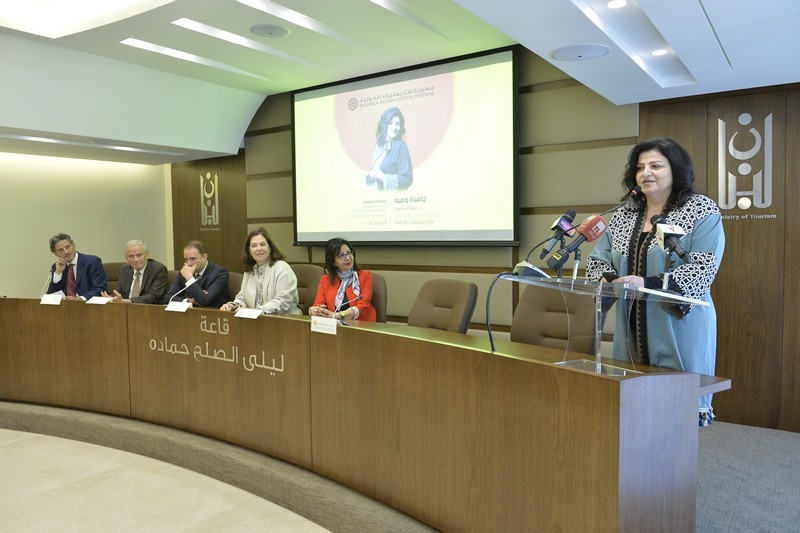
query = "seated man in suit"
{"x": 142, "y": 280}
{"x": 201, "y": 282}
{"x": 78, "y": 276}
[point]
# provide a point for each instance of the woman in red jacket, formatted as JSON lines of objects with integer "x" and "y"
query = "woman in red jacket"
{"x": 345, "y": 291}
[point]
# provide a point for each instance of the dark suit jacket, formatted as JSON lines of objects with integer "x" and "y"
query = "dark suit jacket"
{"x": 154, "y": 283}
{"x": 211, "y": 290}
{"x": 90, "y": 277}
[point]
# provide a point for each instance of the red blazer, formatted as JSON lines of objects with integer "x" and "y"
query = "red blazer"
{"x": 326, "y": 294}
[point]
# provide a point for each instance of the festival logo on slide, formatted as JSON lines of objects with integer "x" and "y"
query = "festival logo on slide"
{"x": 426, "y": 105}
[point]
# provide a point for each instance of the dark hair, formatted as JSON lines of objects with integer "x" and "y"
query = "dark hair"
{"x": 383, "y": 124}
{"x": 332, "y": 248}
{"x": 199, "y": 245}
{"x": 275, "y": 253}
{"x": 679, "y": 161}
{"x": 59, "y": 237}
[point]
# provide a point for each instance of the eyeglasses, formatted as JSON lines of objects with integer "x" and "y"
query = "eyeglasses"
{"x": 345, "y": 255}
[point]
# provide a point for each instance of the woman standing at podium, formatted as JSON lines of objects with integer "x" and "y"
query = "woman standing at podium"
{"x": 682, "y": 337}
{"x": 345, "y": 291}
{"x": 269, "y": 283}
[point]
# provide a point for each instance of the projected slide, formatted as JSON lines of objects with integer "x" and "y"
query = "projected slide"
{"x": 420, "y": 156}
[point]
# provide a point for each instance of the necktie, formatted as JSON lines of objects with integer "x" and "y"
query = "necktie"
{"x": 137, "y": 284}
{"x": 71, "y": 280}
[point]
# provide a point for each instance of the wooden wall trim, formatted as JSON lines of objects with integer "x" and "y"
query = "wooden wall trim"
{"x": 582, "y": 145}
{"x": 270, "y": 175}
{"x": 270, "y": 220}
{"x": 267, "y": 131}
{"x": 549, "y": 86}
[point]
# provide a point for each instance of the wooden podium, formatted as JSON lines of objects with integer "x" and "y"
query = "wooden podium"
{"x": 432, "y": 423}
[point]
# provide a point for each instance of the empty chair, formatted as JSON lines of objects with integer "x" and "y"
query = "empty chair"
{"x": 445, "y": 304}
{"x": 549, "y": 317}
{"x": 308, "y": 276}
{"x": 172, "y": 275}
{"x": 234, "y": 284}
{"x": 112, "y": 274}
{"x": 379, "y": 297}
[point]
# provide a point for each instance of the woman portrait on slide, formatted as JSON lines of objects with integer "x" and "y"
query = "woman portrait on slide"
{"x": 391, "y": 162}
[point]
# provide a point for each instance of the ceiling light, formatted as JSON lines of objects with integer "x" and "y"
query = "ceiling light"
{"x": 398, "y": 9}
{"x": 617, "y": 4}
{"x": 659, "y": 52}
{"x": 634, "y": 33}
{"x": 270, "y": 31}
{"x": 186, "y": 56}
{"x": 299, "y": 19}
{"x": 238, "y": 40}
{"x": 47, "y": 18}
{"x": 579, "y": 52}
{"x": 89, "y": 144}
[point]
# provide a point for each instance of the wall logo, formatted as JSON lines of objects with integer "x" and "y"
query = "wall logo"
{"x": 750, "y": 154}
{"x": 209, "y": 199}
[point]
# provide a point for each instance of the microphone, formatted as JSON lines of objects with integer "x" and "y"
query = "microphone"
{"x": 590, "y": 230}
{"x": 46, "y": 284}
{"x": 561, "y": 226}
{"x": 347, "y": 303}
{"x": 633, "y": 193}
{"x": 636, "y": 191}
{"x": 180, "y": 291}
{"x": 668, "y": 237}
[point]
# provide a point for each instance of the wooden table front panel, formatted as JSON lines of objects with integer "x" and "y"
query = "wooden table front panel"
{"x": 71, "y": 355}
{"x": 240, "y": 380}
{"x": 465, "y": 440}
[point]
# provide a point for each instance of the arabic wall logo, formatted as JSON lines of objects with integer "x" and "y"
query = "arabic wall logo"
{"x": 209, "y": 199}
{"x": 757, "y": 154}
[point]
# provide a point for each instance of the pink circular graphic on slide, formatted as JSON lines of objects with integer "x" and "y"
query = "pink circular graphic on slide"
{"x": 426, "y": 105}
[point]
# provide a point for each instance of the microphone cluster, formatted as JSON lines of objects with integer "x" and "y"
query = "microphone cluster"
{"x": 588, "y": 231}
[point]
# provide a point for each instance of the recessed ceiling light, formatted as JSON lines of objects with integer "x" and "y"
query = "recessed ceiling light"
{"x": 299, "y": 19}
{"x": 617, "y": 4}
{"x": 47, "y": 18}
{"x": 186, "y": 56}
{"x": 632, "y": 31}
{"x": 239, "y": 40}
{"x": 91, "y": 143}
{"x": 659, "y": 52}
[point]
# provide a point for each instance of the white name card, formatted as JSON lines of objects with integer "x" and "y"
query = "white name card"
{"x": 51, "y": 299}
{"x": 246, "y": 312}
{"x": 320, "y": 324}
{"x": 178, "y": 307}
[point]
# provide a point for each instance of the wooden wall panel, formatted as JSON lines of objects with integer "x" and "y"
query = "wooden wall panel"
{"x": 749, "y": 303}
{"x": 749, "y": 289}
{"x": 686, "y": 123}
{"x": 225, "y": 238}
{"x": 789, "y": 416}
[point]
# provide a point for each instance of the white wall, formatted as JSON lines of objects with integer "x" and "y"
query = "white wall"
{"x": 100, "y": 204}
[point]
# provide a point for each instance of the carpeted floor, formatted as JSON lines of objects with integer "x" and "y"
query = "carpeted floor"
{"x": 748, "y": 480}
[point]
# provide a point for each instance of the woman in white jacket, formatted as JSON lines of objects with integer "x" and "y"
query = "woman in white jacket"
{"x": 269, "y": 283}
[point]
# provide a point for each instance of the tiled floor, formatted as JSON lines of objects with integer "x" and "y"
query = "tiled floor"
{"x": 53, "y": 484}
